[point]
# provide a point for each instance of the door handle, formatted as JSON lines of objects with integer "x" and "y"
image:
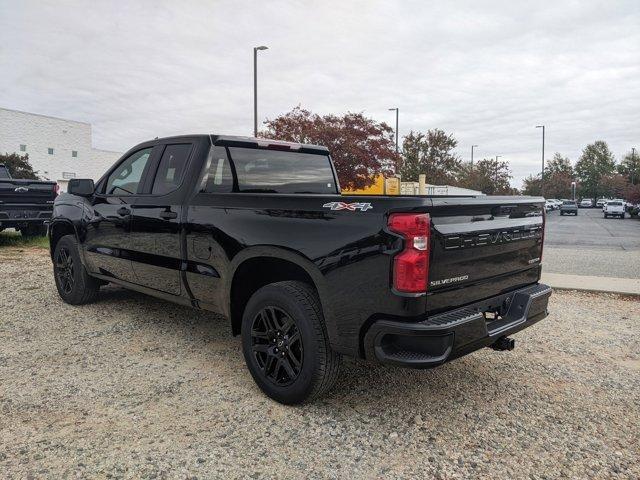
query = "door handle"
{"x": 123, "y": 211}
{"x": 168, "y": 215}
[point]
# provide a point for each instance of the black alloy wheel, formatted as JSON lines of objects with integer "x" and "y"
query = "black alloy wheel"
{"x": 276, "y": 344}
{"x": 64, "y": 269}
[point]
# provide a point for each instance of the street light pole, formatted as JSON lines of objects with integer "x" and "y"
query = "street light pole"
{"x": 496, "y": 171}
{"x": 633, "y": 165}
{"x": 472, "y": 147}
{"x": 255, "y": 88}
{"x": 397, "y": 110}
{"x": 542, "y": 172}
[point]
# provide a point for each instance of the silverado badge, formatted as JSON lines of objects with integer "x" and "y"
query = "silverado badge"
{"x": 352, "y": 207}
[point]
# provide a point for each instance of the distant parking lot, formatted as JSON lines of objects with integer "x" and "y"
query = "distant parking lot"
{"x": 592, "y": 245}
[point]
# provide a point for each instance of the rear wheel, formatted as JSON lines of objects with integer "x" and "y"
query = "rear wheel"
{"x": 74, "y": 285}
{"x": 285, "y": 343}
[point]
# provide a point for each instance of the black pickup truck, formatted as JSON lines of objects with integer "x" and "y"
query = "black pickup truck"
{"x": 25, "y": 204}
{"x": 257, "y": 231}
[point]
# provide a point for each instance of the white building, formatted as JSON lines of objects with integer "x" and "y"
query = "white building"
{"x": 58, "y": 149}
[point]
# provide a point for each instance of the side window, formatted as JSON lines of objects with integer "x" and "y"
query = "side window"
{"x": 125, "y": 179}
{"x": 218, "y": 177}
{"x": 171, "y": 168}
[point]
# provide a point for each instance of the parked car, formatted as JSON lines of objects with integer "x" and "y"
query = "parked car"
{"x": 25, "y": 205}
{"x": 586, "y": 203}
{"x": 556, "y": 203}
{"x": 601, "y": 202}
{"x": 614, "y": 208}
{"x": 257, "y": 231}
{"x": 569, "y": 207}
{"x": 549, "y": 205}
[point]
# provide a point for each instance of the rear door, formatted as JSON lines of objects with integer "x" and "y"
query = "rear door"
{"x": 482, "y": 247}
{"x": 156, "y": 221}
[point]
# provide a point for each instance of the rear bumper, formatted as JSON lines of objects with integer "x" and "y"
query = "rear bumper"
{"x": 443, "y": 337}
{"x": 12, "y": 216}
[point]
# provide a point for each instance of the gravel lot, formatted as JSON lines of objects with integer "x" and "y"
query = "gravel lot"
{"x": 135, "y": 387}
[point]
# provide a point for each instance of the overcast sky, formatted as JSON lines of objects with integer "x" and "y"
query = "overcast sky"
{"x": 488, "y": 72}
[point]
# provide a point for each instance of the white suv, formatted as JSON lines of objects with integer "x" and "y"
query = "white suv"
{"x": 614, "y": 208}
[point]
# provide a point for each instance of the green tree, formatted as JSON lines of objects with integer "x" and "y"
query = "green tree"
{"x": 432, "y": 154}
{"x": 630, "y": 167}
{"x": 490, "y": 176}
{"x": 19, "y": 166}
{"x": 532, "y": 185}
{"x": 595, "y": 162}
{"x": 558, "y": 175}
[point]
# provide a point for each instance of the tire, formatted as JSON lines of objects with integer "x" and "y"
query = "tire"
{"x": 285, "y": 319}
{"x": 561, "y": 213}
{"x": 34, "y": 231}
{"x": 74, "y": 285}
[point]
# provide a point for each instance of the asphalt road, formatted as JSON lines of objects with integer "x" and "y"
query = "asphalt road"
{"x": 592, "y": 245}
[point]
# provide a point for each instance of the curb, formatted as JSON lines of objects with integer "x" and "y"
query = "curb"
{"x": 584, "y": 283}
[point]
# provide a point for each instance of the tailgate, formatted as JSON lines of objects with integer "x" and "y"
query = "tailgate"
{"x": 482, "y": 247}
{"x": 14, "y": 191}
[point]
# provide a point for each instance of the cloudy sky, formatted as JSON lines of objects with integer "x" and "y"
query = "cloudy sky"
{"x": 486, "y": 71}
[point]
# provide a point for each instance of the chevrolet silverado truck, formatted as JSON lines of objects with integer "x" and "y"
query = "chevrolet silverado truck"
{"x": 258, "y": 232}
{"x": 25, "y": 205}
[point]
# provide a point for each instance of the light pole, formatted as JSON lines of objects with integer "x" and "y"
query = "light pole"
{"x": 542, "y": 172}
{"x": 496, "y": 172}
{"x": 255, "y": 88}
{"x": 397, "y": 110}
{"x": 472, "y": 147}
{"x": 633, "y": 165}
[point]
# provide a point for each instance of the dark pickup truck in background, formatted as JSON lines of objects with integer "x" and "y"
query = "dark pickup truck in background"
{"x": 25, "y": 205}
{"x": 257, "y": 231}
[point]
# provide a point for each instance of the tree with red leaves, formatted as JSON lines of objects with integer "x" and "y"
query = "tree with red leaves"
{"x": 360, "y": 147}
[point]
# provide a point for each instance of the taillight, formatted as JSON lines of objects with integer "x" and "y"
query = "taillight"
{"x": 56, "y": 189}
{"x": 411, "y": 266}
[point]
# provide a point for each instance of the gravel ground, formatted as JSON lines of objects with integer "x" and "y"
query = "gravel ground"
{"x": 592, "y": 261}
{"x": 139, "y": 388}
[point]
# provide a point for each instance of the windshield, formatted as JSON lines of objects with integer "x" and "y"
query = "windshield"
{"x": 276, "y": 171}
{"x": 4, "y": 172}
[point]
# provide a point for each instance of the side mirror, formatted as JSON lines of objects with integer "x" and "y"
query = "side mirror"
{"x": 83, "y": 187}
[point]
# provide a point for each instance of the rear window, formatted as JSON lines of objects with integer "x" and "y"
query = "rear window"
{"x": 4, "y": 172}
{"x": 568, "y": 203}
{"x": 275, "y": 171}
{"x": 615, "y": 204}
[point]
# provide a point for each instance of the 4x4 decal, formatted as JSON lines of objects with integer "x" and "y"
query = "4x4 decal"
{"x": 352, "y": 207}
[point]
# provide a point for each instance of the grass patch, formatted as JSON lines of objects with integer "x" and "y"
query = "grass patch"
{"x": 11, "y": 238}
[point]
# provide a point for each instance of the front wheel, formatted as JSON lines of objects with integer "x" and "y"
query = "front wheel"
{"x": 74, "y": 284}
{"x": 285, "y": 343}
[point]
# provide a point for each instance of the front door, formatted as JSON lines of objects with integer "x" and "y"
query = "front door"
{"x": 157, "y": 255}
{"x": 108, "y": 237}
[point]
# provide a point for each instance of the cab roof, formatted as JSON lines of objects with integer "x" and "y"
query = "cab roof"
{"x": 253, "y": 142}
